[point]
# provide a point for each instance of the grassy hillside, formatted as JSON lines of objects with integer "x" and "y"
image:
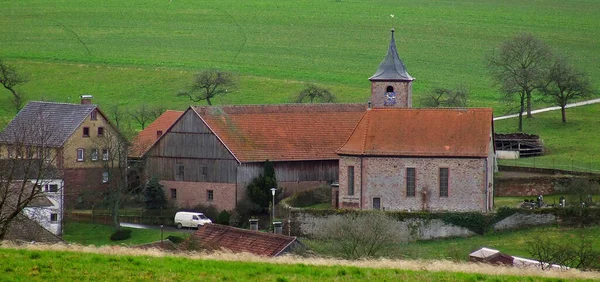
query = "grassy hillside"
{"x": 45, "y": 265}
{"x": 129, "y": 52}
{"x": 569, "y": 146}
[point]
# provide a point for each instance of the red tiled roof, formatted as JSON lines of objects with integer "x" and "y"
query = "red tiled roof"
{"x": 290, "y": 132}
{"x": 421, "y": 132}
{"x": 148, "y": 137}
{"x": 216, "y": 236}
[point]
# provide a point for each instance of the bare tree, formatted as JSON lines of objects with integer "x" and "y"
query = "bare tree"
{"x": 157, "y": 111}
{"x": 519, "y": 66}
{"x": 565, "y": 83}
{"x": 579, "y": 252}
{"x": 9, "y": 78}
{"x": 141, "y": 114}
{"x": 445, "y": 97}
{"x": 119, "y": 117}
{"x": 358, "y": 236}
{"x": 112, "y": 150}
{"x": 209, "y": 84}
{"x": 314, "y": 94}
{"x": 26, "y": 161}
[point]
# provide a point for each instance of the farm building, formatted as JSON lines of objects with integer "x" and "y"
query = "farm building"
{"x": 385, "y": 155}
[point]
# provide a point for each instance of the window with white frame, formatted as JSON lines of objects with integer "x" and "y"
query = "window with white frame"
{"x": 53, "y": 217}
{"x": 51, "y": 187}
{"x": 210, "y": 195}
{"x": 80, "y": 155}
{"x": 105, "y": 177}
{"x": 105, "y": 154}
{"x": 94, "y": 154}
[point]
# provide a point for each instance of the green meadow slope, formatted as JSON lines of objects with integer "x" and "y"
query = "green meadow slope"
{"x": 145, "y": 51}
{"x": 125, "y": 265}
{"x": 128, "y": 52}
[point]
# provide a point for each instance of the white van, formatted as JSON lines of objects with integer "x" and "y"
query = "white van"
{"x": 190, "y": 219}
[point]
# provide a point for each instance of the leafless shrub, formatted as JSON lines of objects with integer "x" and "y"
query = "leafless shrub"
{"x": 359, "y": 235}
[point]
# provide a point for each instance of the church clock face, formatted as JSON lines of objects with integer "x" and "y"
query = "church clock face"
{"x": 389, "y": 99}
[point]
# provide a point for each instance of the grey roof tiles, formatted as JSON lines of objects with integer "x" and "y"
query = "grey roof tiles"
{"x": 392, "y": 68}
{"x": 45, "y": 123}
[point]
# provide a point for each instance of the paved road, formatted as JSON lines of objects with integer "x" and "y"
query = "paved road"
{"x": 157, "y": 227}
{"x": 582, "y": 103}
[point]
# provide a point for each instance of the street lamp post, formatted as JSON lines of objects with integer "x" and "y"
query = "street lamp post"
{"x": 273, "y": 190}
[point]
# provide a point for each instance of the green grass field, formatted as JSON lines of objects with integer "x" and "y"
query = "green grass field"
{"x": 145, "y": 51}
{"x": 570, "y": 146}
{"x": 99, "y": 235}
{"x": 42, "y": 265}
{"x": 128, "y": 52}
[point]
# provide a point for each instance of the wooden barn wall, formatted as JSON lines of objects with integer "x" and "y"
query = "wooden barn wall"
{"x": 326, "y": 170}
{"x": 222, "y": 171}
{"x": 190, "y": 143}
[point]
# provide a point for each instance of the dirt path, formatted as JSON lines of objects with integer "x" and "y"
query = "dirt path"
{"x": 582, "y": 103}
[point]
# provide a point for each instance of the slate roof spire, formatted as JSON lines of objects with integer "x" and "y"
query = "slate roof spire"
{"x": 391, "y": 68}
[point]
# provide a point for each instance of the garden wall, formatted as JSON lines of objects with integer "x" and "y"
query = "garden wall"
{"x": 426, "y": 226}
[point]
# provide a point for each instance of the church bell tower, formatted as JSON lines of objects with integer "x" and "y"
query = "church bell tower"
{"x": 391, "y": 85}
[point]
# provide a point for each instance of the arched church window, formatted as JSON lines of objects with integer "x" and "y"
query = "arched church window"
{"x": 389, "y": 89}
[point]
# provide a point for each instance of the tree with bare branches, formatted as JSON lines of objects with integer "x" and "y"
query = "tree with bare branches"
{"x": 10, "y": 78}
{"x": 26, "y": 163}
{"x": 112, "y": 150}
{"x": 142, "y": 115}
{"x": 564, "y": 84}
{"x": 446, "y": 97}
{"x": 359, "y": 235}
{"x": 157, "y": 111}
{"x": 519, "y": 66}
{"x": 314, "y": 94}
{"x": 208, "y": 84}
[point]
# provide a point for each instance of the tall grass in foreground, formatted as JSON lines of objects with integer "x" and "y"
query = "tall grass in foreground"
{"x": 63, "y": 262}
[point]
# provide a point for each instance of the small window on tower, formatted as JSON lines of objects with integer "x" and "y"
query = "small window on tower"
{"x": 389, "y": 89}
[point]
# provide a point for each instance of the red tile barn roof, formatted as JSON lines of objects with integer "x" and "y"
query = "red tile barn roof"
{"x": 422, "y": 133}
{"x": 148, "y": 137}
{"x": 289, "y": 132}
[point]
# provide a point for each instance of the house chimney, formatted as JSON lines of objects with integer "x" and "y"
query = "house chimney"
{"x": 158, "y": 134}
{"x": 254, "y": 224}
{"x": 86, "y": 99}
{"x": 369, "y": 105}
{"x": 277, "y": 227}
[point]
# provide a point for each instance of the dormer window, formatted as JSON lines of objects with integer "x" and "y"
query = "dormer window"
{"x": 389, "y": 89}
{"x": 94, "y": 115}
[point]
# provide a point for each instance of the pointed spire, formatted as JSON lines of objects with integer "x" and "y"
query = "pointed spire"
{"x": 392, "y": 68}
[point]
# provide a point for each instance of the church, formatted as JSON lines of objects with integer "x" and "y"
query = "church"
{"x": 385, "y": 155}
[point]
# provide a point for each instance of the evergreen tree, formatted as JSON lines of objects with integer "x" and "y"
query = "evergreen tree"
{"x": 259, "y": 189}
{"x": 154, "y": 194}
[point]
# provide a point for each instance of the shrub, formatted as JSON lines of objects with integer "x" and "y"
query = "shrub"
{"x": 223, "y": 217}
{"x": 312, "y": 197}
{"x": 122, "y": 234}
{"x": 359, "y": 235}
{"x": 175, "y": 239}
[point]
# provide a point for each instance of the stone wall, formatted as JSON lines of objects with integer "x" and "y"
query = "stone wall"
{"x": 412, "y": 229}
{"x": 519, "y": 220}
{"x": 531, "y": 186}
{"x": 307, "y": 224}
